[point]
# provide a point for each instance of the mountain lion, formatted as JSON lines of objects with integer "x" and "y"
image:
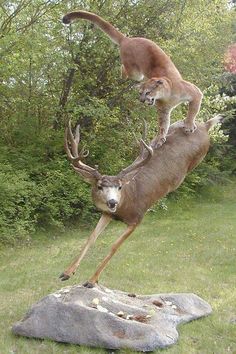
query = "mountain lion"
{"x": 142, "y": 58}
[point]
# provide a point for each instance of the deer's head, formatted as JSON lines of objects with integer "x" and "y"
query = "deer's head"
{"x": 106, "y": 190}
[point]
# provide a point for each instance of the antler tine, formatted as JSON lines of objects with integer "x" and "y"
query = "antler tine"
{"x": 73, "y": 141}
{"x": 145, "y": 129}
{"x": 77, "y": 134}
{"x": 148, "y": 147}
{"x": 144, "y": 135}
{"x": 74, "y": 155}
{"x": 69, "y": 154}
{"x": 135, "y": 137}
{"x": 140, "y": 161}
{"x": 71, "y": 147}
{"x": 84, "y": 153}
{"x": 142, "y": 141}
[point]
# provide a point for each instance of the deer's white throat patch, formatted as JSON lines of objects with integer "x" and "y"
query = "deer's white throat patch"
{"x": 109, "y": 194}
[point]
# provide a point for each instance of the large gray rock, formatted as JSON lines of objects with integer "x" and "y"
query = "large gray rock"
{"x": 101, "y": 317}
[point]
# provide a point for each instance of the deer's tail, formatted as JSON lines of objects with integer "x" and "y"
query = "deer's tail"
{"x": 215, "y": 120}
{"x": 105, "y": 26}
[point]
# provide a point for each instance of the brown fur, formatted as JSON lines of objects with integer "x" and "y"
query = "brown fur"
{"x": 162, "y": 174}
{"x": 142, "y": 58}
{"x": 143, "y": 185}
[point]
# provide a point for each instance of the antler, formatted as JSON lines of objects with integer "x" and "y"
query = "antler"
{"x": 146, "y": 152}
{"x": 71, "y": 147}
{"x": 144, "y": 137}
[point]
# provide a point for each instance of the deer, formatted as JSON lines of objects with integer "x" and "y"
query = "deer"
{"x": 128, "y": 195}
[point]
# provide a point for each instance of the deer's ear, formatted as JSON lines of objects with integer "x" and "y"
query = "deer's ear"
{"x": 128, "y": 178}
{"x": 87, "y": 176}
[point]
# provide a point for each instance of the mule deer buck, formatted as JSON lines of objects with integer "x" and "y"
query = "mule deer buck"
{"x": 131, "y": 193}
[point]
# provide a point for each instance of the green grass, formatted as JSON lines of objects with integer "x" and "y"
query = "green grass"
{"x": 189, "y": 248}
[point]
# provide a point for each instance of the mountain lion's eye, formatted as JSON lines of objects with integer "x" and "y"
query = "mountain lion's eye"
{"x": 100, "y": 188}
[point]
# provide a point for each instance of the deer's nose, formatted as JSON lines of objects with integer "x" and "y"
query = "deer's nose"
{"x": 112, "y": 203}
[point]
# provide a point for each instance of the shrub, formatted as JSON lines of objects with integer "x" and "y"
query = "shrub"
{"x": 17, "y": 205}
{"x": 52, "y": 195}
{"x": 64, "y": 197}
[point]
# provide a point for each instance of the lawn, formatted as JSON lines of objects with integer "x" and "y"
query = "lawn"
{"x": 191, "y": 247}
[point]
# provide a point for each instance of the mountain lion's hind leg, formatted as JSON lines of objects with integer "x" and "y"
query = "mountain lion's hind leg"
{"x": 124, "y": 74}
{"x": 131, "y": 73}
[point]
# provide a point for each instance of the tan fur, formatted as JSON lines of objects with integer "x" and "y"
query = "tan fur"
{"x": 142, "y": 58}
{"x": 166, "y": 94}
{"x": 140, "y": 185}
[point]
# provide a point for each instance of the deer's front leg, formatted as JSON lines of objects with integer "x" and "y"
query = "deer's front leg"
{"x": 102, "y": 223}
{"x": 194, "y": 106}
{"x": 164, "y": 123}
{"x": 94, "y": 279}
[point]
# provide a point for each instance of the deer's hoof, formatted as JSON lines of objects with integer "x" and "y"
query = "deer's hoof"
{"x": 89, "y": 285}
{"x": 64, "y": 277}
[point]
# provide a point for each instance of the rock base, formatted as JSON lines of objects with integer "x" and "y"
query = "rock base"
{"x": 111, "y": 319}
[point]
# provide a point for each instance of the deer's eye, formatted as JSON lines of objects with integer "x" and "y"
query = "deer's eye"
{"x": 100, "y": 188}
{"x": 119, "y": 188}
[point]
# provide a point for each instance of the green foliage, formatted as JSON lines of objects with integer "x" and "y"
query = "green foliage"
{"x": 228, "y": 89}
{"x": 50, "y": 196}
{"x": 17, "y": 204}
{"x": 63, "y": 197}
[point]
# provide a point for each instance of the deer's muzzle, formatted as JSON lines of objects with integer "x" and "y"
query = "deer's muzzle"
{"x": 112, "y": 205}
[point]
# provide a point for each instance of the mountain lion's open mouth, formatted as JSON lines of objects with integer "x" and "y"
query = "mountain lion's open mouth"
{"x": 151, "y": 102}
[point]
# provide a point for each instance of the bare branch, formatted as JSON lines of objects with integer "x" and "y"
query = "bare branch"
{"x": 6, "y": 25}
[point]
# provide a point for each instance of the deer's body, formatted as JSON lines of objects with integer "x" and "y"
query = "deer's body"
{"x": 128, "y": 196}
{"x": 162, "y": 174}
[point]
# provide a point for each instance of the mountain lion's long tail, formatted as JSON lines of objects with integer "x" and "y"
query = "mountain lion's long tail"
{"x": 105, "y": 26}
